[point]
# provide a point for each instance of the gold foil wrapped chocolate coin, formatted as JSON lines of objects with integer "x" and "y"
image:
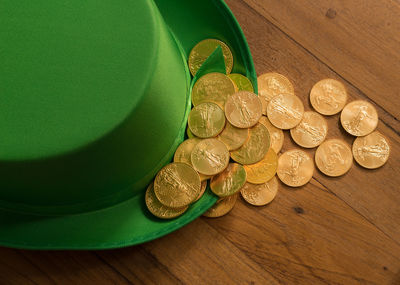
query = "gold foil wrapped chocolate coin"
{"x": 295, "y": 168}
{"x": 328, "y": 96}
{"x": 260, "y": 194}
{"x": 333, "y": 157}
{"x": 359, "y": 118}
{"x": 206, "y": 120}
{"x": 229, "y": 181}
{"x": 243, "y": 109}
{"x": 371, "y": 151}
{"x": 177, "y": 185}
{"x": 222, "y": 207}
{"x": 285, "y": 111}
{"x": 311, "y": 131}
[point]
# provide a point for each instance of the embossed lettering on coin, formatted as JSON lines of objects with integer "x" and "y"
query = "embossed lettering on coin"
{"x": 270, "y": 85}
{"x": 333, "y": 157}
{"x": 295, "y": 168}
{"x": 210, "y": 157}
{"x": 255, "y": 148}
{"x": 233, "y": 137}
{"x": 206, "y": 120}
{"x": 213, "y": 87}
{"x": 243, "y": 109}
{"x": 177, "y": 185}
{"x": 158, "y": 209}
{"x": 263, "y": 170}
{"x": 222, "y": 207}
{"x": 285, "y": 111}
{"x": 260, "y": 194}
{"x": 328, "y": 96}
{"x": 203, "y": 50}
{"x": 242, "y": 82}
{"x": 371, "y": 151}
{"x": 276, "y": 134}
{"x": 359, "y": 118}
{"x": 229, "y": 181}
{"x": 311, "y": 131}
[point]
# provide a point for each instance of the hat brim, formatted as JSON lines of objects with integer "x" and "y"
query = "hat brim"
{"x": 129, "y": 222}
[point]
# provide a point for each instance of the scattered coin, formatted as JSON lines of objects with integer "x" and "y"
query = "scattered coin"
{"x": 263, "y": 170}
{"x": 371, "y": 151}
{"x": 270, "y": 85}
{"x": 158, "y": 209}
{"x": 243, "y": 109}
{"x": 295, "y": 168}
{"x": 242, "y": 82}
{"x": 210, "y": 156}
{"x": 229, "y": 181}
{"x": 276, "y": 135}
{"x": 255, "y": 148}
{"x": 260, "y": 194}
{"x": 177, "y": 185}
{"x": 285, "y": 111}
{"x": 206, "y": 120}
{"x": 213, "y": 87}
{"x": 328, "y": 96}
{"x": 311, "y": 131}
{"x": 203, "y": 50}
{"x": 202, "y": 190}
{"x": 222, "y": 207}
{"x": 233, "y": 137}
{"x": 333, "y": 157}
{"x": 359, "y": 118}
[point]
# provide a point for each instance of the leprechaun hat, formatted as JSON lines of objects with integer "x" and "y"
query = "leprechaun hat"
{"x": 94, "y": 99}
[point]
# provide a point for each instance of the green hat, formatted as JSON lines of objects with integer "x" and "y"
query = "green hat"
{"x": 94, "y": 99}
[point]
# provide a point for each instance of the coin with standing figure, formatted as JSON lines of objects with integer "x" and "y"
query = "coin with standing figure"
{"x": 260, "y": 194}
{"x": 276, "y": 135}
{"x": 241, "y": 82}
{"x": 311, "y": 131}
{"x": 371, "y": 151}
{"x": 359, "y": 118}
{"x": 295, "y": 168}
{"x": 328, "y": 96}
{"x": 206, "y": 120}
{"x": 243, "y": 109}
{"x": 263, "y": 170}
{"x": 333, "y": 157}
{"x": 229, "y": 181}
{"x": 285, "y": 111}
{"x": 233, "y": 137}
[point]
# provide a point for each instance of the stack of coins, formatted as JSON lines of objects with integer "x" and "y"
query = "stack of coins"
{"x": 235, "y": 136}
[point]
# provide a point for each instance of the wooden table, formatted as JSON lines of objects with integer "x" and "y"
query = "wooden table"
{"x": 334, "y": 231}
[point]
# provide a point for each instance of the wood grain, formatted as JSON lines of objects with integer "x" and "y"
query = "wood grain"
{"x": 331, "y": 231}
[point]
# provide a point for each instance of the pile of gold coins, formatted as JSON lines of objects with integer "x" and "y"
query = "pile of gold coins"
{"x": 234, "y": 137}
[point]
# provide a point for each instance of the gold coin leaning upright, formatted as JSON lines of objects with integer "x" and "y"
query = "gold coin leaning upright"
{"x": 333, "y": 157}
{"x": 177, "y": 185}
{"x": 359, "y": 118}
{"x": 263, "y": 170}
{"x": 242, "y": 82}
{"x": 243, "y": 109}
{"x": 255, "y": 148}
{"x": 222, "y": 207}
{"x": 229, "y": 181}
{"x": 328, "y": 96}
{"x": 213, "y": 87}
{"x": 285, "y": 111}
{"x": 311, "y": 131}
{"x": 233, "y": 137}
{"x": 270, "y": 85}
{"x": 276, "y": 135}
{"x": 371, "y": 151}
{"x": 159, "y": 210}
{"x": 295, "y": 168}
{"x": 210, "y": 156}
{"x": 260, "y": 194}
{"x": 203, "y": 50}
{"x": 206, "y": 120}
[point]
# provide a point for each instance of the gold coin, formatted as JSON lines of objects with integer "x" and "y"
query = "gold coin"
{"x": 243, "y": 109}
{"x": 158, "y": 209}
{"x": 255, "y": 148}
{"x": 242, "y": 82}
{"x": 371, "y": 151}
{"x": 260, "y": 194}
{"x": 328, "y": 96}
{"x": 285, "y": 111}
{"x": 229, "y": 181}
{"x": 184, "y": 150}
{"x": 203, "y": 189}
{"x": 213, "y": 87}
{"x": 276, "y": 135}
{"x": 189, "y": 133}
{"x": 210, "y": 157}
{"x": 333, "y": 157}
{"x": 270, "y": 85}
{"x": 222, "y": 207}
{"x": 359, "y": 118}
{"x": 263, "y": 170}
{"x": 295, "y": 168}
{"x": 233, "y": 137}
{"x": 177, "y": 185}
{"x": 203, "y": 50}
{"x": 311, "y": 131}
{"x": 206, "y": 120}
